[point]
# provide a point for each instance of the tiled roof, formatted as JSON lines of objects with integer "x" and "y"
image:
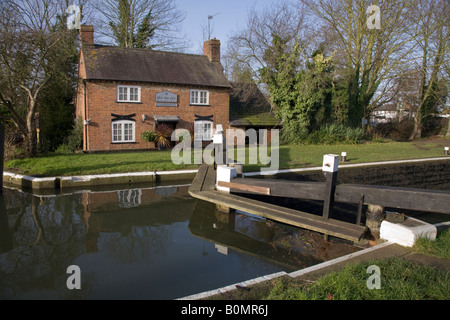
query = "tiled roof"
{"x": 145, "y": 65}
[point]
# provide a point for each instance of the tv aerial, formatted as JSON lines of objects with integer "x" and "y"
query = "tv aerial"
{"x": 210, "y": 17}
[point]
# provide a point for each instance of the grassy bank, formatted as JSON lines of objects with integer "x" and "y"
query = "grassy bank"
{"x": 400, "y": 279}
{"x": 298, "y": 156}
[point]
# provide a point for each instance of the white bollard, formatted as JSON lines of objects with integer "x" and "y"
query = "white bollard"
{"x": 446, "y": 151}
{"x": 343, "y": 156}
{"x": 225, "y": 173}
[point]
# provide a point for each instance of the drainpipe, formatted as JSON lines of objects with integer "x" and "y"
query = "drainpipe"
{"x": 85, "y": 116}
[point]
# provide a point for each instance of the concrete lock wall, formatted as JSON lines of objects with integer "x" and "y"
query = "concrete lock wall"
{"x": 425, "y": 174}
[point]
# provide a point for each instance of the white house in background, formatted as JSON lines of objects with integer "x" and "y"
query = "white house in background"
{"x": 391, "y": 113}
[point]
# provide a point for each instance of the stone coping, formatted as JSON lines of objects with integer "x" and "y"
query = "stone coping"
{"x": 82, "y": 181}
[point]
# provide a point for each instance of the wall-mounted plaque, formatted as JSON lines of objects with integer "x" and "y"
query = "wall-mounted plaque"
{"x": 166, "y": 99}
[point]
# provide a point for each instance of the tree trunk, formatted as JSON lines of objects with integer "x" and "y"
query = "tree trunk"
{"x": 448, "y": 128}
{"x": 417, "y": 131}
{"x": 31, "y": 139}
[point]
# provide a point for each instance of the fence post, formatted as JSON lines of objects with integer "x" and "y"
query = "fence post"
{"x": 330, "y": 168}
{"x": 375, "y": 215}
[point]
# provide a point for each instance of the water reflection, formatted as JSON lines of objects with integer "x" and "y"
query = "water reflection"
{"x": 146, "y": 243}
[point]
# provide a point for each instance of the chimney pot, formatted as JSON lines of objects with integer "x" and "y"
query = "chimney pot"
{"x": 212, "y": 50}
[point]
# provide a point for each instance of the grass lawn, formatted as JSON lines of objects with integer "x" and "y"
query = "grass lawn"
{"x": 290, "y": 157}
{"x": 400, "y": 279}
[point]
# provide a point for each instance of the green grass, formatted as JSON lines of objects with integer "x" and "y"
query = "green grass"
{"x": 298, "y": 156}
{"x": 102, "y": 163}
{"x": 439, "y": 247}
{"x": 400, "y": 280}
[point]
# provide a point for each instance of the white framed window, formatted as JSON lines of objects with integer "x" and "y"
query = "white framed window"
{"x": 203, "y": 130}
{"x": 123, "y": 131}
{"x": 200, "y": 97}
{"x": 128, "y": 94}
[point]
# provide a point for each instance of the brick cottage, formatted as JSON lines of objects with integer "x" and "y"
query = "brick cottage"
{"x": 123, "y": 92}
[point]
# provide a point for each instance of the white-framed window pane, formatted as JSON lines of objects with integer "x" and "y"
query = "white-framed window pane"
{"x": 207, "y": 131}
{"x": 128, "y": 94}
{"x": 117, "y": 132}
{"x": 200, "y": 97}
{"x": 123, "y": 131}
{"x": 128, "y": 132}
{"x": 203, "y": 97}
{"x": 194, "y": 97}
{"x": 203, "y": 130}
{"x": 123, "y": 93}
{"x": 198, "y": 129}
{"x": 134, "y": 94}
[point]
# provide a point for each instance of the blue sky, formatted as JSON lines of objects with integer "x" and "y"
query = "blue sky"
{"x": 231, "y": 15}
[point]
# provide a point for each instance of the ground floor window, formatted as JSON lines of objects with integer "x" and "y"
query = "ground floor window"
{"x": 203, "y": 130}
{"x": 123, "y": 131}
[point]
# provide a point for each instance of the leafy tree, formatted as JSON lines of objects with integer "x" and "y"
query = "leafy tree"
{"x": 32, "y": 56}
{"x": 281, "y": 75}
{"x": 302, "y": 96}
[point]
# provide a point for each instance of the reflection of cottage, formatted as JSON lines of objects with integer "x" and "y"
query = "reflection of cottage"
{"x": 123, "y": 92}
{"x": 250, "y": 109}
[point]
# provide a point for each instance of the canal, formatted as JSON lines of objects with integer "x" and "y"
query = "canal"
{"x": 151, "y": 242}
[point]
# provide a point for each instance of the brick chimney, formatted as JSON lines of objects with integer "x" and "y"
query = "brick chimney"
{"x": 87, "y": 35}
{"x": 212, "y": 50}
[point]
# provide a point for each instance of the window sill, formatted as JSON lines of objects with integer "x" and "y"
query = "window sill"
{"x": 199, "y": 105}
{"x": 126, "y": 142}
{"x": 133, "y": 102}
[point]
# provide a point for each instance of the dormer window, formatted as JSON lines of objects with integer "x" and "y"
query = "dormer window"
{"x": 128, "y": 94}
{"x": 200, "y": 97}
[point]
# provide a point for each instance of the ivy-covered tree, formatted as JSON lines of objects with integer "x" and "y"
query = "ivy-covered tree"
{"x": 301, "y": 95}
{"x": 281, "y": 75}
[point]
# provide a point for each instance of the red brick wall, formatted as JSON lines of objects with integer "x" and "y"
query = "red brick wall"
{"x": 101, "y": 102}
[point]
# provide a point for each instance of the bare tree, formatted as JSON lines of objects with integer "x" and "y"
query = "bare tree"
{"x": 29, "y": 41}
{"x": 141, "y": 23}
{"x": 432, "y": 21}
{"x": 247, "y": 47}
{"x": 370, "y": 56}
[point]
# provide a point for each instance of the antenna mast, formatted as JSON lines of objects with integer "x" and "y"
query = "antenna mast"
{"x": 209, "y": 24}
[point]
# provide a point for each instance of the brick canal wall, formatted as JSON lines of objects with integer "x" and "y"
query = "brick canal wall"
{"x": 424, "y": 175}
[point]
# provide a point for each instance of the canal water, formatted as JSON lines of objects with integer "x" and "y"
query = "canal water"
{"x": 151, "y": 242}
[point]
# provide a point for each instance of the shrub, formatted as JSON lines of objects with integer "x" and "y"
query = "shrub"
{"x": 74, "y": 141}
{"x": 149, "y": 136}
{"x": 335, "y": 133}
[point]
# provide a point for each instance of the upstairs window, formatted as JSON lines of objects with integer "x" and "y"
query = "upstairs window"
{"x": 200, "y": 97}
{"x": 128, "y": 94}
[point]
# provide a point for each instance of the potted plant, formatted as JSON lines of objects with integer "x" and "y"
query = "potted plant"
{"x": 163, "y": 136}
